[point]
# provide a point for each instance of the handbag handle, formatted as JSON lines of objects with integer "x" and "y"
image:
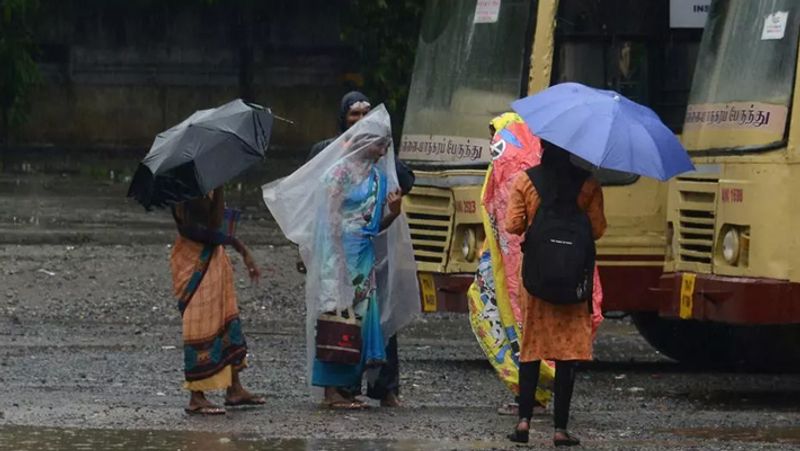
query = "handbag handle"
{"x": 351, "y": 315}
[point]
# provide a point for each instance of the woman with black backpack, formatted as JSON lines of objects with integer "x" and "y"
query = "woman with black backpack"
{"x": 559, "y": 209}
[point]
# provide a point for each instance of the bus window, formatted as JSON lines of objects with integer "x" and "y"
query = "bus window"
{"x": 465, "y": 73}
{"x": 582, "y": 62}
{"x": 745, "y": 87}
{"x": 675, "y": 77}
{"x": 752, "y": 67}
{"x": 627, "y": 46}
{"x": 589, "y": 18}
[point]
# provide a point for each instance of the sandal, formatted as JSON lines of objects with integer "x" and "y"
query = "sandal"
{"x": 509, "y": 409}
{"x": 391, "y": 400}
{"x": 512, "y": 409}
{"x": 204, "y": 410}
{"x": 568, "y": 440}
{"x": 248, "y": 401}
{"x": 346, "y": 405}
{"x": 520, "y": 436}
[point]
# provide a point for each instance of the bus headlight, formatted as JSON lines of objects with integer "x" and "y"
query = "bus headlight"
{"x": 469, "y": 247}
{"x": 731, "y": 246}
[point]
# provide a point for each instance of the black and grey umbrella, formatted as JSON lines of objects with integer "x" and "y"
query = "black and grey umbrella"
{"x": 201, "y": 153}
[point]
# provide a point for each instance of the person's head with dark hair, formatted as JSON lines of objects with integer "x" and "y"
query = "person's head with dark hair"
{"x": 353, "y": 108}
{"x": 554, "y": 156}
{"x": 559, "y": 163}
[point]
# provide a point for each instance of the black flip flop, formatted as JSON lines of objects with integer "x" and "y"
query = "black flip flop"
{"x": 519, "y": 436}
{"x": 569, "y": 441}
{"x": 252, "y": 401}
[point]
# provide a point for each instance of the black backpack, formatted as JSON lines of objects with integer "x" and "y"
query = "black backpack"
{"x": 559, "y": 250}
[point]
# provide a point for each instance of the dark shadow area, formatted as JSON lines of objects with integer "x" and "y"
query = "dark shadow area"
{"x": 778, "y": 399}
{"x": 782, "y": 435}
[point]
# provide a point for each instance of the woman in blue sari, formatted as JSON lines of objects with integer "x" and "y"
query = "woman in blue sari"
{"x": 357, "y": 208}
{"x": 343, "y": 210}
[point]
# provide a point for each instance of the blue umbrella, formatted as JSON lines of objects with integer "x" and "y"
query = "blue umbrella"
{"x": 605, "y": 129}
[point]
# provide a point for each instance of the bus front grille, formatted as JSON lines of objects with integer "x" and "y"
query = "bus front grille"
{"x": 697, "y": 222}
{"x": 430, "y": 217}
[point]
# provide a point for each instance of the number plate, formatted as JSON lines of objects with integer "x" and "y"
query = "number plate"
{"x": 428, "y": 292}
{"x": 687, "y": 295}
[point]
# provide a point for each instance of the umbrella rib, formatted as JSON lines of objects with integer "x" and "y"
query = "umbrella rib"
{"x": 259, "y": 127}
{"x": 662, "y": 161}
{"x": 608, "y": 135}
{"x": 631, "y": 156}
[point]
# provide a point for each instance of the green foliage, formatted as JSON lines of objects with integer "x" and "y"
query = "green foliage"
{"x": 19, "y": 73}
{"x": 385, "y": 35}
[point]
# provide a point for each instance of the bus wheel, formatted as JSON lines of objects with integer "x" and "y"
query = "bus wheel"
{"x": 698, "y": 343}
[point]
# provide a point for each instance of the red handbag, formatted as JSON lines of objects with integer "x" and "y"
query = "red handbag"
{"x": 339, "y": 338}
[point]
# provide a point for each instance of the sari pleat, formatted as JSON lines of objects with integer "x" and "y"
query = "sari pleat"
{"x": 213, "y": 343}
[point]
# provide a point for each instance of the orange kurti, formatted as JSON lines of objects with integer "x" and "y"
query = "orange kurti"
{"x": 549, "y": 331}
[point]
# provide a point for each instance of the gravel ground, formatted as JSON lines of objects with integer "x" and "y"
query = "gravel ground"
{"x": 90, "y": 342}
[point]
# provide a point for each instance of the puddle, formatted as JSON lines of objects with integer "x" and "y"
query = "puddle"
{"x": 785, "y": 435}
{"x": 24, "y": 438}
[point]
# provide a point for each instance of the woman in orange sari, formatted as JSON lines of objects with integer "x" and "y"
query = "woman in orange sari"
{"x": 214, "y": 347}
{"x": 562, "y": 333}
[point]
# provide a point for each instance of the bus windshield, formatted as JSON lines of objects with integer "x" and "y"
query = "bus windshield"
{"x": 469, "y": 66}
{"x": 741, "y": 96}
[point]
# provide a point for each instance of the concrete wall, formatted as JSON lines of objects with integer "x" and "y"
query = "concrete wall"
{"x": 118, "y": 72}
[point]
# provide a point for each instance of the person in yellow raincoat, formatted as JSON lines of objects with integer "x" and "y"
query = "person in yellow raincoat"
{"x": 494, "y": 301}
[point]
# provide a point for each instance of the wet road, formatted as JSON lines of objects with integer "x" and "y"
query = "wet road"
{"x": 90, "y": 355}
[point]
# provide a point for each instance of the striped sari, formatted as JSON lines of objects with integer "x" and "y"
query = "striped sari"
{"x": 213, "y": 343}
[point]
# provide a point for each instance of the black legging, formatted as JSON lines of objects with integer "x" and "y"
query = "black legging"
{"x": 562, "y": 392}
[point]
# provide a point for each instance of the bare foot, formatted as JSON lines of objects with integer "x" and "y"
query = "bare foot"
{"x": 563, "y": 438}
{"x": 334, "y": 399}
{"x": 198, "y": 404}
{"x": 521, "y": 432}
{"x": 241, "y": 397}
{"x": 391, "y": 400}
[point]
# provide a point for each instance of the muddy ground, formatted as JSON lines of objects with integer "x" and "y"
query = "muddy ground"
{"x": 90, "y": 344}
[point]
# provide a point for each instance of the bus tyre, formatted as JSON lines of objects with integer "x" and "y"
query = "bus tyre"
{"x": 693, "y": 342}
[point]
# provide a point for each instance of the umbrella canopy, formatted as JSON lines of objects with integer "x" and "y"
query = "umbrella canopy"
{"x": 207, "y": 149}
{"x": 605, "y": 129}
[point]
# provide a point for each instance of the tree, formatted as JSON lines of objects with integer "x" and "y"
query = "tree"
{"x": 384, "y": 35}
{"x": 19, "y": 73}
